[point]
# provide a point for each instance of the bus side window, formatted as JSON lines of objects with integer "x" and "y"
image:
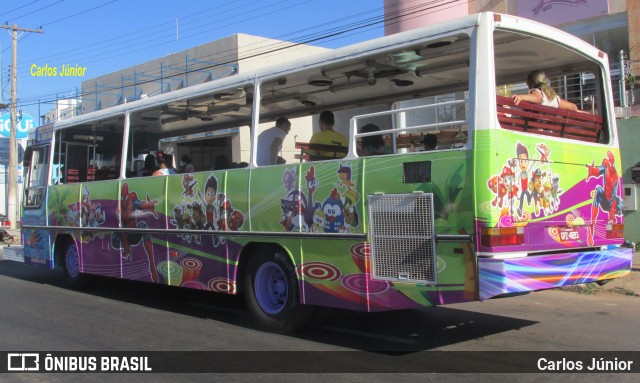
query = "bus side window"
{"x": 90, "y": 152}
{"x": 437, "y": 122}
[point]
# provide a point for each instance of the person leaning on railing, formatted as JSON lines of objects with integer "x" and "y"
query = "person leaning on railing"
{"x": 327, "y": 136}
{"x": 541, "y": 93}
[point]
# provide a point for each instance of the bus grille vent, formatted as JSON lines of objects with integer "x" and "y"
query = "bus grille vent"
{"x": 416, "y": 172}
{"x": 402, "y": 237}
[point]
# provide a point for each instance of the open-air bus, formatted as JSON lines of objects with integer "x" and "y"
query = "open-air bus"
{"x": 513, "y": 198}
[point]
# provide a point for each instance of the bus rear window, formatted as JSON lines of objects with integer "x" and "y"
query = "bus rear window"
{"x": 547, "y": 89}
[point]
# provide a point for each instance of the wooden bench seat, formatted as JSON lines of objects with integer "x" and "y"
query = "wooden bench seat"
{"x": 548, "y": 121}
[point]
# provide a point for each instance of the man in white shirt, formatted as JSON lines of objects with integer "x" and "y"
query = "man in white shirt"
{"x": 270, "y": 142}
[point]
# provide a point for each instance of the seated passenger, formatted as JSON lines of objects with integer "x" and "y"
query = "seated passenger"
{"x": 222, "y": 162}
{"x": 371, "y": 145}
{"x": 430, "y": 142}
{"x": 185, "y": 165}
{"x": 541, "y": 93}
{"x": 149, "y": 166}
{"x": 163, "y": 169}
{"x": 168, "y": 160}
{"x": 327, "y": 136}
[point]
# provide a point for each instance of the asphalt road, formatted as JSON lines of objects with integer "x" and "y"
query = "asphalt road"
{"x": 38, "y": 313}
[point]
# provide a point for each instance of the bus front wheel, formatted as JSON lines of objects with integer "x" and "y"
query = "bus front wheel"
{"x": 272, "y": 293}
{"x": 71, "y": 268}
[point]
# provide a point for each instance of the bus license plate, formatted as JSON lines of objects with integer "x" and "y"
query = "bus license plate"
{"x": 569, "y": 234}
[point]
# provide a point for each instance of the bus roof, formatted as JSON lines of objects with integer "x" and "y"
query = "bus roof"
{"x": 354, "y": 52}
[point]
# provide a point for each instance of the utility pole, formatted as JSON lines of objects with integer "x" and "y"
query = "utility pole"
{"x": 623, "y": 79}
{"x": 12, "y": 179}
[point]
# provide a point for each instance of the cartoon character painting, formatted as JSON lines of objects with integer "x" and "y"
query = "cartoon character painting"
{"x": 130, "y": 209}
{"x": 532, "y": 186}
{"x": 189, "y": 217}
{"x": 544, "y": 152}
{"x": 497, "y": 186}
{"x": 526, "y": 186}
{"x": 205, "y": 211}
{"x": 208, "y": 200}
{"x": 525, "y": 169}
{"x": 606, "y": 195}
{"x": 292, "y": 207}
{"x": 312, "y": 184}
{"x": 318, "y": 221}
{"x": 338, "y": 213}
{"x": 536, "y": 189}
{"x": 546, "y": 200}
{"x": 349, "y": 198}
{"x": 188, "y": 182}
{"x": 555, "y": 192}
{"x": 298, "y": 209}
{"x": 91, "y": 214}
{"x": 508, "y": 177}
{"x": 334, "y": 212}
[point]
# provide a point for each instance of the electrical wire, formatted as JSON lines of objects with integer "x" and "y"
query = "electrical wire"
{"x": 79, "y": 13}
{"x": 37, "y": 10}
{"x": 110, "y": 54}
{"x": 324, "y": 35}
{"x": 289, "y": 45}
{"x": 95, "y": 46}
{"x": 20, "y": 7}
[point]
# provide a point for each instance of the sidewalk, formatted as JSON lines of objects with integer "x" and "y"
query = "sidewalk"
{"x": 629, "y": 285}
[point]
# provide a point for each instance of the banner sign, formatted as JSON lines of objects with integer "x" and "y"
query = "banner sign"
{"x": 44, "y": 133}
{"x": 307, "y": 362}
{"x": 24, "y": 124}
{"x": 4, "y": 151}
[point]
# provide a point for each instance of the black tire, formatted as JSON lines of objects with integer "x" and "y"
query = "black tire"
{"x": 71, "y": 268}
{"x": 272, "y": 292}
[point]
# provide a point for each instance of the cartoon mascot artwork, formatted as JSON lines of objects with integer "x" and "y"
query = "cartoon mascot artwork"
{"x": 606, "y": 196}
{"x": 130, "y": 208}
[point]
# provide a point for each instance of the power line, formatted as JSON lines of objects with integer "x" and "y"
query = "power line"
{"x": 20, "y": 7}
{"x": 279, "y": 46}
{"x": 37, "y": 10}
{"x": 79, "y": 13}
{"x": 95, "y": 46}
{"x": 168, "y": 38}
{"x": 324, "y": 35}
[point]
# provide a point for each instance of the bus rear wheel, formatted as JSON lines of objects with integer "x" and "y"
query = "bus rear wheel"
{"x": 272, "y": 293}
{"x": 71, "y": 268}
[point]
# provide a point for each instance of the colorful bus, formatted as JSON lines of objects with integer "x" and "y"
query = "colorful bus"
{"x": 511, "y": 198}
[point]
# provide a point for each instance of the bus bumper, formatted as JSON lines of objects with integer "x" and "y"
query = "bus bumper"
{"x": 517, "y": 275}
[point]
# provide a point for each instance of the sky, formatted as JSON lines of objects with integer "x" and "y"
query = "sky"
{"x": 105, "y": 36}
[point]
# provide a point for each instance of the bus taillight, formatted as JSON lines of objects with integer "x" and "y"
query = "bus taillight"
{"x": 615, "y": 230}
{"x": 502, "y": 236}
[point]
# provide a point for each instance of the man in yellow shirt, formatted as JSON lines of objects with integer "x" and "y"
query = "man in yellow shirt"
{"x": 327, "y": 136}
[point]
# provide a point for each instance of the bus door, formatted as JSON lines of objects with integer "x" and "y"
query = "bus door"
{"x": 37, "y": 244}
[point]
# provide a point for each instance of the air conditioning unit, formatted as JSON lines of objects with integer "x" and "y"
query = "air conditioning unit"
{"x": 630, "y": 198}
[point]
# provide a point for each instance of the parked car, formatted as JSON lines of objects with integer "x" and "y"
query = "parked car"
{"x": 4, "y": 221}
